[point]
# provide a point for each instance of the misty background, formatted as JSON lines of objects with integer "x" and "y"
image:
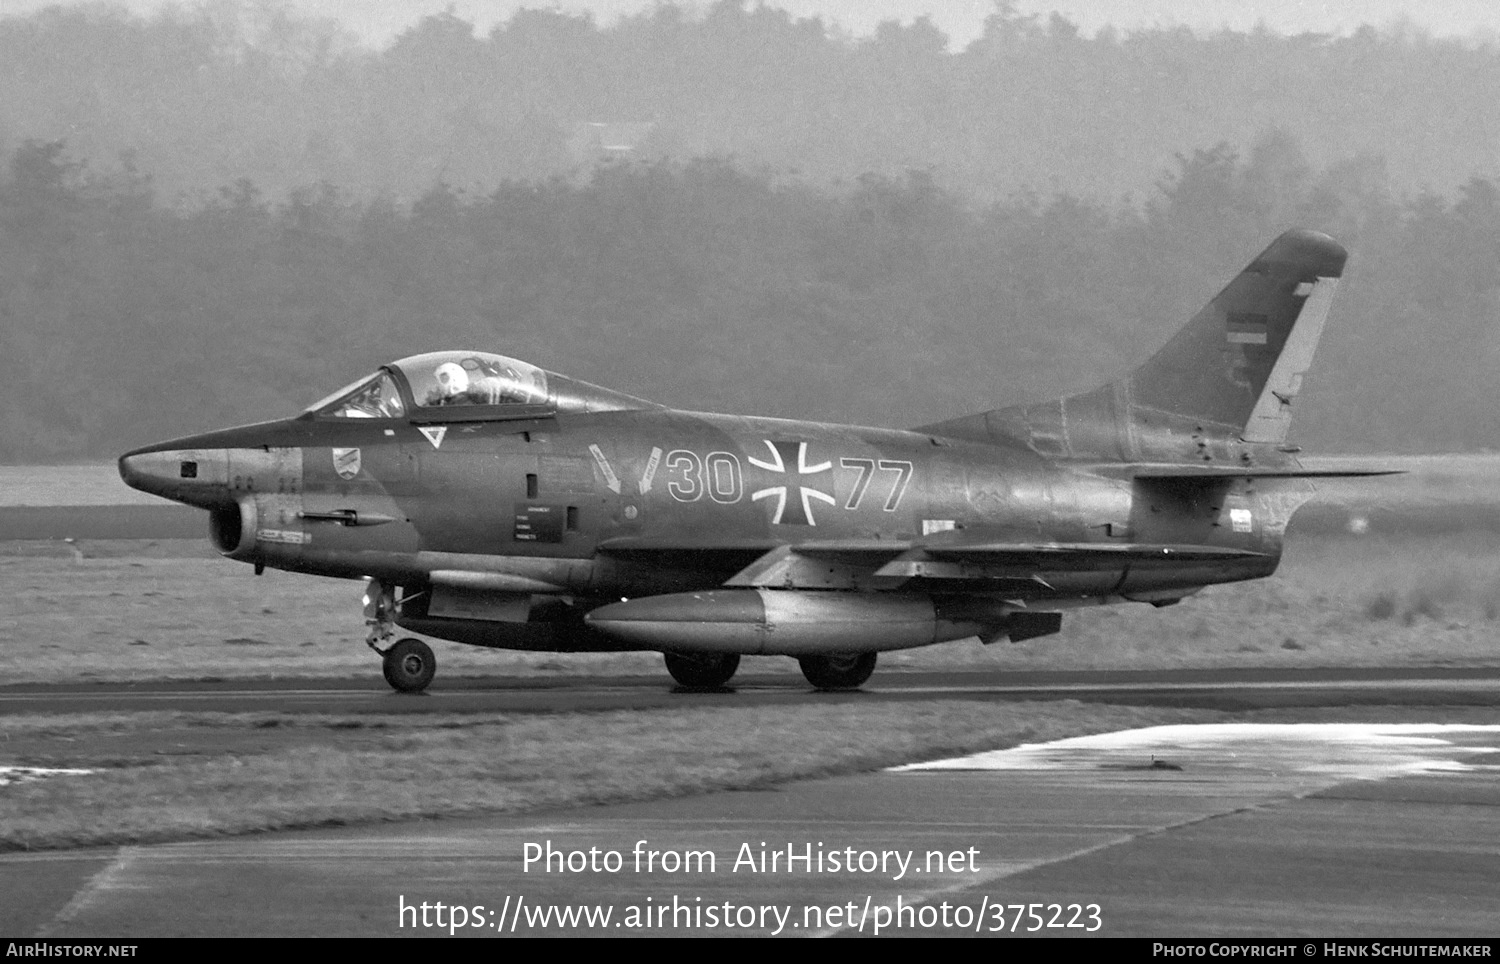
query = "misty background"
{"x": 212, "y": 215}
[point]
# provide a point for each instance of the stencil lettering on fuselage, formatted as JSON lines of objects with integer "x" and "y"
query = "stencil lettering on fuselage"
{"x": 538, "y": 523}
{"x": 611, "y": 481}
{"x": 650, "y": 474}
{"x": 565, "y": 475}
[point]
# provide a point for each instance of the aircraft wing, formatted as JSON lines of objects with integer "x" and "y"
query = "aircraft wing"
{"x": 1056, "y": 555}
{"x": 1207, "y": 472}
{"x": 1007, "y": 566}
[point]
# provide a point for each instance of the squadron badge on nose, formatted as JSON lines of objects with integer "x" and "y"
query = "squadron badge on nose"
{"x": 346, "y": 462}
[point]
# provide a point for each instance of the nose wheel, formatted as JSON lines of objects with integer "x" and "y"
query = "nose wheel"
{"x": 408, "y": 665}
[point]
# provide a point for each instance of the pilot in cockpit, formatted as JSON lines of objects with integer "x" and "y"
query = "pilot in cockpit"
{"x": 474, "y": 383}
{"x": 452, "y": 386}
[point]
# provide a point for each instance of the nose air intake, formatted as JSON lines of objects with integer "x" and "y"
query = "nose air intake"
{"x": 231, "y": 529}
{"x": 252, "y": 494}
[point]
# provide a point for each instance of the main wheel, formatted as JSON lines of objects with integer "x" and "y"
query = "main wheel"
{"x": 702, "y": 671}
{"x": 838, "y": 671}
{"x": 409, "y": 665}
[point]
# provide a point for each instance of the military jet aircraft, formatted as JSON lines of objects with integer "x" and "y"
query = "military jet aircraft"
{"x": 489, "y": 502}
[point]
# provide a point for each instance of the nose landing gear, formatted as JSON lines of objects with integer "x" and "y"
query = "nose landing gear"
{"x": 408, "y": 664}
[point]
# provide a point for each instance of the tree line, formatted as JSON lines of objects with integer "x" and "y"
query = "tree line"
{"x": 242, "y": 88}
{"x": 708, "y": 284}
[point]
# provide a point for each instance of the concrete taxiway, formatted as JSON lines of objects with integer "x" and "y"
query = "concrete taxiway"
{"x": 1271, "y": 830}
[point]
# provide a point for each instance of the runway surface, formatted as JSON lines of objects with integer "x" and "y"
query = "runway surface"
{"x": 1309, "y": 830}
{"x": 1217, "y": 689}
{"x": 1329, "y": 830}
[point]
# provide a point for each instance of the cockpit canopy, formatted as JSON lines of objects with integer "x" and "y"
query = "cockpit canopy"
{"x": 444, "y": 386}
{"x": 445, "y": 378}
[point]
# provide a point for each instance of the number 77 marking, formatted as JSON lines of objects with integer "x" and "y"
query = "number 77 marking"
{"x": 866, "y": 469}
{"x": 903, "y": 476}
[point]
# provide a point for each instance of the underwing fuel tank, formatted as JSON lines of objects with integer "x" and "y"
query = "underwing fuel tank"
{"x": 779, "y": 622}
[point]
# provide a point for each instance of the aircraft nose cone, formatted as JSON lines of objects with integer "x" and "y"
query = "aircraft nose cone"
{"x": 135, "y": 471}
{"x": 195, "y": 477}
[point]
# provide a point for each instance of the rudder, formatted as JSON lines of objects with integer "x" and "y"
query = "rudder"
{"x": 1238, "y": 364}
{"x": 1230, "y": 374}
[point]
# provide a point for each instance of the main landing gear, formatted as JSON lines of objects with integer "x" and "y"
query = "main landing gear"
{"x": 702, "y": 671}
{"x": 408, "y": 664}
{"x": 829, "y": 671}
{"x": 838, "y": 671}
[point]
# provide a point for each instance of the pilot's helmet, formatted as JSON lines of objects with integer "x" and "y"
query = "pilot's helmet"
{"x": 452, "y": 380}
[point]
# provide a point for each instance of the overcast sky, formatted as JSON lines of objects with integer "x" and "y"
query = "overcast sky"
{"x": 378, "y": 21}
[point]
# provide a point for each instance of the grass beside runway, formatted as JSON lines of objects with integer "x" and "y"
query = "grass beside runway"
{"x": 163, "y": 610}
{"x": 164, "y": 776}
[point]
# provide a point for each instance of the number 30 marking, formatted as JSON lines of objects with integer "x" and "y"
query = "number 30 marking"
{"x": 719, "y": 475}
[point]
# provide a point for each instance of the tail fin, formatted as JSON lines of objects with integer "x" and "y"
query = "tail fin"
{"x": 1231, "y": 374}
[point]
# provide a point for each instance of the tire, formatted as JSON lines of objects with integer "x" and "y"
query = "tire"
{"x": 838, "y": 671}
{"x": 702, "y": 671}
{"x": 409, "y": 665}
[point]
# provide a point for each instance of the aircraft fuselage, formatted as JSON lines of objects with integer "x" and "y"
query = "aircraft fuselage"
{"x": 634, "y": 503}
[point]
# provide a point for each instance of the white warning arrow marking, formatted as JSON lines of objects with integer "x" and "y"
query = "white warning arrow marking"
{"x": 650, "y": 472}
{"x": 609, "y": 474}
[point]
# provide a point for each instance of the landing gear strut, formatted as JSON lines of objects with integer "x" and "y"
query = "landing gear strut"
{"x": 838, "y": 671}
{"x": 702, "y": 671}
{"x": 408, "y": 664}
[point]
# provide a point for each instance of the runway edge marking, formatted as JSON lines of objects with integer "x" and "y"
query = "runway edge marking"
{"x": 106, "y": 879}
{"x": 1011, "y": 868}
